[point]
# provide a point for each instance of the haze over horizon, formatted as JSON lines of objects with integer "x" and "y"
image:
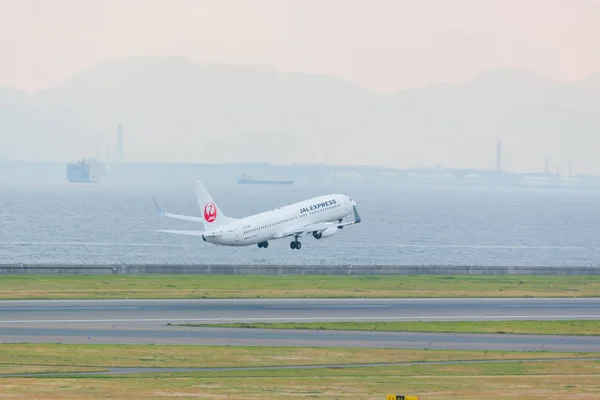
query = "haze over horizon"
{"x": 384, "y": 46}
{"x": 343, "y": 82}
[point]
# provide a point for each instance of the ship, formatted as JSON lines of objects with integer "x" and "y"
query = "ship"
{"x": 85, "y": 171}
{"x": 246, "y": 180}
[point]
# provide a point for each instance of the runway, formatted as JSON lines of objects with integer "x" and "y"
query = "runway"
{"x": 146, "y": 321}
{"x": 296, "y": 310}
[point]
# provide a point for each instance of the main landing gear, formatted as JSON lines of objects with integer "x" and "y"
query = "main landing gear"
{"x": 295, "y": 245}
{"x": 263, "y": 245}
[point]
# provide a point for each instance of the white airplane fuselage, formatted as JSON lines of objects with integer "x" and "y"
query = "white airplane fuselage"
{"x": 320, "y": 217}
{"x": 273, "y": 224}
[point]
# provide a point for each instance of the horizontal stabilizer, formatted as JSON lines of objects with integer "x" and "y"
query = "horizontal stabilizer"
{"x": 191, "y": 233}
{"x": 176, "y": 216}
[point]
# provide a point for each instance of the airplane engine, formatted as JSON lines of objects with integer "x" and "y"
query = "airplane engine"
{"x": 326, "y": 233}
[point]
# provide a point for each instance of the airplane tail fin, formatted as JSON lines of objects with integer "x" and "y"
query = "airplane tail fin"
{"x": 213, "y": 216}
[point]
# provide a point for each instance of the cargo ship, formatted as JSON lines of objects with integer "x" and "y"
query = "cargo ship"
{"x": 85, "y": 171}
{"x": 246, "y": 180}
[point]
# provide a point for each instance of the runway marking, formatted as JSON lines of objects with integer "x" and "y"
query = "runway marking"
{"x": 258, "y": 319}
{"x": 334, "y": 306}
{"x": 492, "y": 247}
{"x": 550, "y": 305}
{"x": 68, "y": 308}
{"x": 3, "y": 244}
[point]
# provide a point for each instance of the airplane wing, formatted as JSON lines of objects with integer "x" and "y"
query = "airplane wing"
{"x": 176, "y": 216}
{"x": 307, "y": 229}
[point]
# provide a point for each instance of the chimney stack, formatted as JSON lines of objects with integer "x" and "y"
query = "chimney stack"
{"x": 499, "y": 156}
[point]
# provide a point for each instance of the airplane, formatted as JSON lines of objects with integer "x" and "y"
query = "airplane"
{"x": 320, "y": 217}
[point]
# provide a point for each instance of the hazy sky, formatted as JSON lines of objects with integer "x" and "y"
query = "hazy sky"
{"x": 384, "y": 45}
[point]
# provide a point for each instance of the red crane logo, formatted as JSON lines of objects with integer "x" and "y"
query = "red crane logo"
{"x": 210, "y": 212}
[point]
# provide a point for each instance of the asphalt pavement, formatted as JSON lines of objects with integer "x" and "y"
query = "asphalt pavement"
{"x": 158, "y": 322}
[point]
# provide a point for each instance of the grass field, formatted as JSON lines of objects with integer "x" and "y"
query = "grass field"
{"x": 513, "y": 380}
{"x": 301, "y": 286}
{"x": 97, "y": 355}
{"x": 38, "y": 369}
{"x": 575, "y": 327}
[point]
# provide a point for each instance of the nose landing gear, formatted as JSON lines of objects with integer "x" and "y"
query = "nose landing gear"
{"x": 295, "y": 245}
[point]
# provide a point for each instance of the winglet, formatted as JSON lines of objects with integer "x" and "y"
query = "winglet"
{"x": 356, "y": 216}
{"x": 158, "y": 209}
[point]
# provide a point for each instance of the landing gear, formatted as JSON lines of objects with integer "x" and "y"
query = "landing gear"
{"x": 263, "y": 245}
{"x": 296, "y": 245}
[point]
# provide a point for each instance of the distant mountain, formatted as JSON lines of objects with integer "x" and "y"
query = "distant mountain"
{"x": 174, "y": 109}
{"x": 532, "y": 115}
{"x": 11, "y": 96}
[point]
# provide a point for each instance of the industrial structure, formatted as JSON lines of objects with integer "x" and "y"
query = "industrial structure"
{"x": 119, "y": 147}
{"x": 499, "y": 156}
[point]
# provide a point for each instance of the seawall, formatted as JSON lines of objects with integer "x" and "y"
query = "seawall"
{"x": 160, "y": 269}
